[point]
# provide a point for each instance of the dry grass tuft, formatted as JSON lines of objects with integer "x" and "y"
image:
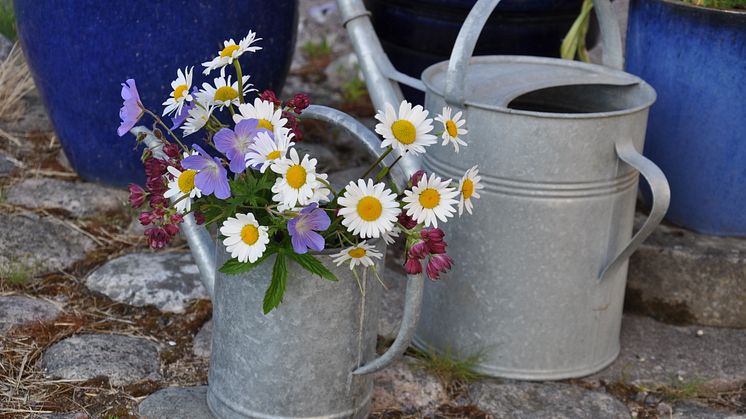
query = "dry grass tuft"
{"x": 15, "y": 83}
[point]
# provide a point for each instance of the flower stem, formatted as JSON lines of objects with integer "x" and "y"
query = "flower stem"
{"x": 328, "y": 185}
{"x": 239, "y": 75}
{"x": 377, "y": 162}
{"x": 158, "y": 120}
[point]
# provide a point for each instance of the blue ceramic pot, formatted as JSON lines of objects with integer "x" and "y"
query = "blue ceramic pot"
{"x": 418, "y": 33}
{"x": 80, "y": 52}
{"x": 695, "y": 58}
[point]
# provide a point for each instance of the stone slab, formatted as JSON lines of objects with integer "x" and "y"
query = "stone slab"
{"x": 202, "y": 343}
{"x": 39, "y": 244}
{"x": 7, "y": 165}
{"x": 176, "y": 403}
{"x": 693, "y": 410}
{"x": 404, "y": 387}
{"x": 526, "y": 400}
{"x": 124, "y": 359}
{"x": 655, "y": 353}
{"x": 16, "y": 310}
{"x": 169, "y": 281}
{"x": 81, "y": 199}
{"x": 683, "y": 277}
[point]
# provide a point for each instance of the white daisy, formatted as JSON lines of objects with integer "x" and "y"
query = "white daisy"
{"x": 297, "y": 182}
{"x": 264, "y": 111}
{"x": 406, "y": 132}
{"x": 431, "y": 199}
{"x": 368, "y": 210}
{"x": 391, "y": 236}
{"x": 230, "y": 52}
{"x": 197, "y": 119}
{"x": 321, "y": 193}
{"x": 265, "y": 150}
{"x": 180, "y": 93}
{"x": 467, "y": 189}
{"x": 224, "y": 92}
{"x": 244, "y": 239}
{"x": 452, "y": 128}
{"x": 360, "y": 254}
{"x": 181, "y": 189}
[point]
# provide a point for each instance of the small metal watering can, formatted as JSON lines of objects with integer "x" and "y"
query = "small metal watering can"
{"x": 313, "y": 355}
{"x": 541, "y": 267}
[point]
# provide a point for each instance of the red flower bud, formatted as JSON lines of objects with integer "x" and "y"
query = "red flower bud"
{"x": 158, "y": 238}
{"x": 406, "y": 220}
{"x": 413, "y": 266}
{"x": 199, "y": 218}
{"x": 171, "y": 229}
{"x": 269, "y": 96}
{"x": 415, "y": 179}
{"x": 418, "y": 250}
{"x": 171, "y": 150}
{"x": 145, "y": 218}
{"x": 137, "y": 195}
{"x": 438, "y": 264}
{"x": 155, "y": 168}
{"x": 300, "y": 102}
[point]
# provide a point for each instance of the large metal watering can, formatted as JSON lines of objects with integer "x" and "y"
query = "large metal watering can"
{"x": 313, "y": 355}
{"x": 539, "y": 283}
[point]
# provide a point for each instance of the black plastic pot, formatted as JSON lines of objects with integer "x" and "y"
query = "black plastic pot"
{"x": 418, "y": 33}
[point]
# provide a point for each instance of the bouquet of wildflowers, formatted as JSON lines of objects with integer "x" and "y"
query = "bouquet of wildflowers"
{"x": 268, "y": 199}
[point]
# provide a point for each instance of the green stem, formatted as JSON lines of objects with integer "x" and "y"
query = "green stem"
{"x": 239, "y": 74}
{"x": 328, "y": 185}
{"x": 377, "y": 162}
{"x": 158, "y": 120}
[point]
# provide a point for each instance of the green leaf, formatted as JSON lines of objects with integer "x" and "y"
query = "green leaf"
{"x": 311, "y": 264}
{"x": 234, "y": 267}
{"x": 276, "y": 290}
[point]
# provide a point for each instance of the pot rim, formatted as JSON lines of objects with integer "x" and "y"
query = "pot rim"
{"x": 702, "y": 9}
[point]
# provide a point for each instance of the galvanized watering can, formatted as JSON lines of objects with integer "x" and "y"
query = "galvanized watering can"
{"x": 539, "y": 283}
{"x": 313, "y": 355}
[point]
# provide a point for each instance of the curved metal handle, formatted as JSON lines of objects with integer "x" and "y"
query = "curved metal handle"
{"x": 412, "y": 305}
{"x": 416, "y": 283}
{"x": 661, "y": 198}
{"x": 472, "y": 28}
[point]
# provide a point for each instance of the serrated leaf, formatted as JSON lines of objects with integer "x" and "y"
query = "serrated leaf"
{"x": 234, "y": 267}
{"x": 313, "y": 265}
{"x": 276, "y": 289}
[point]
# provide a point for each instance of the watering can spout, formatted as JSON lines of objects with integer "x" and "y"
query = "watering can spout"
{"x": 200, "y": 242}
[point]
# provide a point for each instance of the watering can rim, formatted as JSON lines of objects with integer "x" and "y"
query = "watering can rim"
{"x": 442, "y": 67}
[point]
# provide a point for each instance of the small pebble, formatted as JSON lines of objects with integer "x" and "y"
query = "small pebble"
{"x": 171, "y": 343}
{"x": 700, "y": 332}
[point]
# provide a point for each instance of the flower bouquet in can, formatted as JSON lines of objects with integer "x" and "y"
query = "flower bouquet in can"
{"x": 267, "y": 198}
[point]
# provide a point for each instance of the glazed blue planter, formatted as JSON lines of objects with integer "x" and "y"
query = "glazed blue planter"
{"x": 419, "y": 33}
{"x": 695, "y": 58}
{"x": 80, "y": 52}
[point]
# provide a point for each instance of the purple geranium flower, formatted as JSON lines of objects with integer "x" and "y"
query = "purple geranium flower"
{"x": 235, "y": 144}
{"x": 180, "y": 117}
{"x": 301, "y": 229}
{"x": 132, "y": 108}
{"x": 211, "y": 176}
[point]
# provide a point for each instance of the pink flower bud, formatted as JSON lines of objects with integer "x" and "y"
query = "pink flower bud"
{"x": 171, "y": 229}
{"x": 301, "y": 102}
{"x": 158, "y": 238}
{"x": 436, "y": 248}
{"x": 418, "y": 250}
{"x": 177, "y": 218}
{"x": 413, "y": 266}
{"x": 199, "y": 218}
{"x": 269, "y": 96}
{"x": 406, "y": 220}
{"x": 432, "y": 234}
{"x": 438, "y": 264}
{"x": 171, "y": 150}
{"x": 145, "y": 218}
{"x": 415, "y": 179}
{"x": 137, "y": 195}
{"x": 155, "y": 168}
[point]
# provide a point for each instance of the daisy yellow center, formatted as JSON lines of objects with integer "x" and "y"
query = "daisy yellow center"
{"x": 296, "y": 176}
{"x": 179, "y": 91}
{"x": 404, "y": 131}
{"x": 369, "y": 208}
{"x": 249, "y": 234}
{"x": 225, "y": 94}
{"x": 467, "y": 189}
{"x": 357, "y": 252}
{"x": 274, "y": 155}
{"x": 186, "y": 180}
{"x": 263, "y": 123}
{"x": 229, "y": 50}
{"x": 430, "y": 198}
{"x": 451, "y": 128}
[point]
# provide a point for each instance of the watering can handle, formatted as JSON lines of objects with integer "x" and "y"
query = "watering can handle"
{"x": 415, "y": 283}
{"x": 661, "y": 198}
{"x": 469, "y": 34}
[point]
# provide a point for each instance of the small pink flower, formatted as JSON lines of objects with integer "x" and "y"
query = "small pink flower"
{"x": 171, "y": 229}
{"x": 156, "y": 200}
{"x": 177, "y": 218}
{"x": 199, "y": 218}
{"x": 406, "y": 221}
{"x": 137, "y": 195}
{"x": 419, "y": 250}
{"x": 155, "y": 168}
{"x": 146, "y": 218}
{"x": 300, "y": 102}
{"x": 432, "y": 234}
{"x": 158, "y": 238}
{"x": 415, "y": 179}
{"x": 438, "y": 264}
{"x": 269, "y": 96}
{"x": 413, "y": 266}
{"x": 436, "y": 248}
{"x": 171, "y": 150}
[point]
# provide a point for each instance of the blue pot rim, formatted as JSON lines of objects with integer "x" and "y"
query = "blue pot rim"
{"x": 694, "y": 9}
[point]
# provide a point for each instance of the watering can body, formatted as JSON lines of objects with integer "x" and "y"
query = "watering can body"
{"x": 537, "y": 288}
{"x": 313, "y": 355}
